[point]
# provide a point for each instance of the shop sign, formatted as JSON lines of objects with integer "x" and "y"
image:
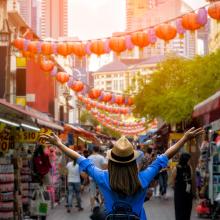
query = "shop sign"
{"x": 32, "y": 136}
{"x": 4, "y": 141}
{"x": 44, "y": 131}
{"x": 21, "y": 100}
{"x": 27, "y": 136}
{"x": 21, "y": 62}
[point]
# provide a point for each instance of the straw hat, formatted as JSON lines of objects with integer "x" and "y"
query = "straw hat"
{"x": 122, "y": 152}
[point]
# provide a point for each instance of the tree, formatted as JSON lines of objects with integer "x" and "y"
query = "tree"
{"x": 177, "y": 86}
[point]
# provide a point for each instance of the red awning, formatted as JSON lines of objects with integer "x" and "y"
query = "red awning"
{"x": 80, "y": 132}
{"x": 22, "y": 110}
{"x": 207, "y": 106}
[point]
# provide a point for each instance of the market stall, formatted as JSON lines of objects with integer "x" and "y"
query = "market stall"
{"x": 19, "y": 133}
{"x": 207, "y": 114}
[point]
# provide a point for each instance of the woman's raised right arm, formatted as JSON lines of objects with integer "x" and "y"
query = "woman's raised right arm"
{"x": 55, "y": 140}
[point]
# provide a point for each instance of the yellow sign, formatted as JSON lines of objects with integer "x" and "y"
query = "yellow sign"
{"x": 27, "y": 136}
{"x": 44, "y": 131}
{"x": 4, "y": 141}
{"x": 2, "y": 126}
{"x": 21, "y": 62}
{"x": 175, "y": 136}
{"x": 21, "y": 100}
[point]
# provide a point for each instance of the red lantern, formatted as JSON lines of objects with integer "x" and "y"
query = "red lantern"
{"x": 70, "y": 48}
{"x": 94, "y": 93}
{"x": 46, "y": 48}
{"x": 166, "y": 32}
{"x": 117, "y": 44}
{"x": 130, "y": 101}
{"x": 97, "y": 47}
{"x": 32, "y": 47}
{"x": 46, "y": 65}
{"x": 62, "y": 49}
{"x": 107, "y": 97}
{"x": 214, "y": 10}
{"x": 88, "y": 107}
{"x": 62, "y": 77}
{"x": 19, "y": 43}
{"x": 190, "y": 21}
{"x": 79, "y": 49}
{"x": 140, "y": 39}
{"x": 77, "y": 86}
{"x": 119, "y": 99}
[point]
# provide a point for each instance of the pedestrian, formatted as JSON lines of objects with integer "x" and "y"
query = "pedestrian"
{"x": 99, "y": 161}
{"x": 162, "y": 179}
{"x": 183, "y": 196}
{"x": 74, "y": 184}
{"x": 122, "y": 183}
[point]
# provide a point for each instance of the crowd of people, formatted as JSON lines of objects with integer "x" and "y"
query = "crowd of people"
{"x": 79, "y": 178}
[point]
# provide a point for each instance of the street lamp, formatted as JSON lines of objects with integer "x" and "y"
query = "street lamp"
{"x": 67, "y": 96}
{"x": 5, "y": 41}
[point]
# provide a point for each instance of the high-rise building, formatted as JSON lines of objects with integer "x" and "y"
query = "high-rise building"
{"x": 153, "y": 12}
{"x": 54, "y": 18}
{"x": 25, "y": 9}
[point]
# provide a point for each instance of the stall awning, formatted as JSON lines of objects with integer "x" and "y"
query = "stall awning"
{"x": 22, "y": 111}
{"x": 207, "y": 106}
{"x": 49, "y": 124}
{"x": 80, "y": 132}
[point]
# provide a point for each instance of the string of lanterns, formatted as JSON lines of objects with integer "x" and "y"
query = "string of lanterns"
{"x": 109, "y": 120}
{"x": 101, "y": 106}
{"x": 122, "y": 130}
{"x": 167, "y": 31}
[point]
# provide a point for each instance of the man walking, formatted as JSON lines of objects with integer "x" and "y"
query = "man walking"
{"x": 73, "y": 184}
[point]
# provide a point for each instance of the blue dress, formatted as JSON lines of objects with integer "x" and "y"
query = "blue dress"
{"x": 136, "y": 201}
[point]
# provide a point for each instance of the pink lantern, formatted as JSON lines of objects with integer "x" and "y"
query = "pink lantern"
{"x": 202, "y": 17}
{"x": 128, "y": 42}
{"x": 152, "y": 36}
{"x": 179, "y": 27}
{"x": 106, "y": 46}
{"x": 87, "y": 48}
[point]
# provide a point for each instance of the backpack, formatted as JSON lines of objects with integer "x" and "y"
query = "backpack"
{"x": 122, "y": 211}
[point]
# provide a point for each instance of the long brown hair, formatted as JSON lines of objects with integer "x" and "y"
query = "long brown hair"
{"x": 124, "y": 177}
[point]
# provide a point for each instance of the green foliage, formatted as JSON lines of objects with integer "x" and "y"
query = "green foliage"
{"x": 177, "y": 86}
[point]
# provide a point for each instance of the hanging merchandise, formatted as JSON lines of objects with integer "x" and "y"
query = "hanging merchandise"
{"x": 41, "y": 162}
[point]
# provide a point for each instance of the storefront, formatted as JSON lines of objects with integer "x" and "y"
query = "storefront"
{"x": 207, "y": 114}
{"x": 19, "y": 133}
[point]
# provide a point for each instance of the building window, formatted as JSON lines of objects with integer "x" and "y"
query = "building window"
{"x": 108, "y": 76}
{"x": 121, "y": 85}
{"x": 115, "y": 84}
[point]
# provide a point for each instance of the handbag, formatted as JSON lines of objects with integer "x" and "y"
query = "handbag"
{"x": 40, "y": 203}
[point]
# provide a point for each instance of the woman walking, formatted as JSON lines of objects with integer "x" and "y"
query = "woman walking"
{"x": 122, "y": 182}
{"x": 183, "y": 188}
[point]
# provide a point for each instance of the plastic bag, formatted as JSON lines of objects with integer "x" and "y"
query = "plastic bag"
{"x": 40, "y": 203}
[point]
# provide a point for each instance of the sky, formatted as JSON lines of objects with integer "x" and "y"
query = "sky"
{"x": 89, "y": 19}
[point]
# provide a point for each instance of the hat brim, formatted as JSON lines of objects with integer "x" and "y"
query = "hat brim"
{"x": 136, "y": 155}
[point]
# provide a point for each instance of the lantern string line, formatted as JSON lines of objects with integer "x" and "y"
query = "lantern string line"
{"x": 126, "y": 33}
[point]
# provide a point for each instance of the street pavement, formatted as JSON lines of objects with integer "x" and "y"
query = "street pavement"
{"x": 156, "y": 209}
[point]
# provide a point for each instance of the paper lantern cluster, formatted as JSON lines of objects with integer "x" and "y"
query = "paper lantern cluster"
{"x": 89, "y": 103}
{"x": 119, "y": 123}
{"x": 167, "y": 31}
{"x": 125, "y": 130}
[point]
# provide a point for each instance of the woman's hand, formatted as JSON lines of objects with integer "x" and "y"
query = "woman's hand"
{"x": 192, "y": 133}
{"x": 51, "y": 139}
